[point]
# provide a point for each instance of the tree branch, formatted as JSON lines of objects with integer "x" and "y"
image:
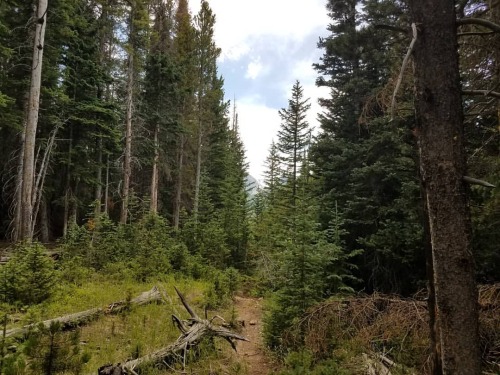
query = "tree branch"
{"x": 403, "y": 68}
{"x": 472, "y": 33}
{"x": 382, "y": 26}
{"x": 186, "y": 305}
{"x": 480, "y": 22}
{"x": 475, "y": 181}
{"x": 494, "y": 94}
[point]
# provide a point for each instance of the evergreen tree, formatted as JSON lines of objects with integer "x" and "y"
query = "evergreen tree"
{"x": 273, "y": 173}
{"x": 138, "y": 23}
{"x": 294, "y": 136}
{"x": 207, "y": 54}
{"x": 15, "y": 60}
{"x": 160, "y": 103}
{"x": 366, "y": 165}
{"x": 185, "y": 59}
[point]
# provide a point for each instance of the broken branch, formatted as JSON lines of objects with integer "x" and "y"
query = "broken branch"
{"x": 199, "y": 328}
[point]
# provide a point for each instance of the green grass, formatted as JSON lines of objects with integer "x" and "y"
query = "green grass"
{"x": 144, "y": 329}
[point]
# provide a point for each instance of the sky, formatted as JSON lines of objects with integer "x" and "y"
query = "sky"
{"x": 266, "y": 46}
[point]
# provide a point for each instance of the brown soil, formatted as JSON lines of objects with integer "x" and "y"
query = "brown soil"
{"x": 258, "y": 362}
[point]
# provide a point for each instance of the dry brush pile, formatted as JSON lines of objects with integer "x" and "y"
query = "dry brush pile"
{"x": 391, "y": 326}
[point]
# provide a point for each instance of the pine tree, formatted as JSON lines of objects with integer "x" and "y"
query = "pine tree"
{"x": 365, "y": 165}
{"x": 137, "y": 29}
{"x": 160, "y": 99}
{"x": 15, "y": 58}
{"x": 294, "y": 136}
{"x": 442, "y": 164}
{"x": 273, "y": 174}
{"x": 207, "y": 54}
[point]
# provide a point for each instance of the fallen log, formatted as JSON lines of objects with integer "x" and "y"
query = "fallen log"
{"x": 192, "y": 330}
{"x": 144, "y": 298}
{"x": 73, "y": 320}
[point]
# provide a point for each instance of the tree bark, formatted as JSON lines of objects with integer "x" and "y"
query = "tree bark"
{"x": 68, "y": 193}
{"x": 28, "y": 174}
{"x": 178, "y": 185}
{"x": 44, "y": 222}
{"x": 127, "y": 166}
{"x": 198, "y": 171}
{"x": 98, "y": 188}
{"x": 154, "y": 177}
{"x": 37, "y": 194}
{"x": 442, "y": 167}
{"x": 106, "y": 188}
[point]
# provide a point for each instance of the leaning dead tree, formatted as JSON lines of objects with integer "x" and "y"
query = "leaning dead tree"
{"x": 73, "y": 320}
{"x": 192, "y": 330}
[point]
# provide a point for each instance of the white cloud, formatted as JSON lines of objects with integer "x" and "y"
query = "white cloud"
{"x": 254, "y": 69}
{"x": 258, "y": 126}
{"x": 266, "y": 46}
{"x": 239, "y": 23}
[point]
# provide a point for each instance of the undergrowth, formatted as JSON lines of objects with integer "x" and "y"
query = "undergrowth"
{"x": 342, "y": 335}
{"x": 97, "y": 266}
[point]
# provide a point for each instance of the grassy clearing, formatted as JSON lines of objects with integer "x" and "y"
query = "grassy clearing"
{"x": 142, "y": 330}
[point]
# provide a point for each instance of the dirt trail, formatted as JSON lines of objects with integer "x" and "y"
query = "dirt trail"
{"x": 250, "y": 312}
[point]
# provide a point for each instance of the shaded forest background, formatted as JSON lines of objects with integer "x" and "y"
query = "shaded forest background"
{"x": 139, "y": 164}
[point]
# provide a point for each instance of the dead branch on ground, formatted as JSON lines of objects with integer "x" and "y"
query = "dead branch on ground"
{"x": 193, "y": 330}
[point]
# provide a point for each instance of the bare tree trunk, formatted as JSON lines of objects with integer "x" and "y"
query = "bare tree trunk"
{"x": 435, "y": 350}
{"x": 16, "y": 234}
{"x": 40, "y": 178}
{"x": 32, "y": 122}
{"x": 127, "y": 166}
{"x": 154, "y": 177}
{"x": 178, "y": 185}
{"x": 44, "y": 222}
{"x": 67, "y": 193}
{"x": 73, "y": 320}
{"x": 198, "y": 174}
{"x": 98, "y": 188}
{"x": 442, "y": 166}
{"x": 106, "y": 188}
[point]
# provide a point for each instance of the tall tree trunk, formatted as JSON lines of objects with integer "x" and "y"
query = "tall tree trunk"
{"x": 44, "y": 222}
{"x": 154, "y": 177}
{"x": 98, "y": 188}
{"x": 435, "y": 350}
{"x": 31, "y": 123}
{"x": 37, "y": 195}
{"x": 106, "y": 188}
{"x": 198, "y": 174}
{"x": 442, "y": 167}
{"x": 17, "y": 220}
{"x": 178, "y": 185}
{"x": 127, "y": 166}
{"x": 68, "y": 194}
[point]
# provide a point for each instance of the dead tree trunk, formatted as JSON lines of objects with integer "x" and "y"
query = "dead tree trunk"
{"x": 127, "y": 159}
{"x": 72, "y": 320}
{"x": 28, "y": 174}
{"x": 155, "y": 178}
{"x": 193, "y": 331}
{"x": 178, "y": 184}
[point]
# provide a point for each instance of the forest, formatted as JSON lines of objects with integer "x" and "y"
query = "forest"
{"x": 372, "y": 245}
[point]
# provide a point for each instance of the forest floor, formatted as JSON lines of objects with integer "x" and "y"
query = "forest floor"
{"x": 258, "y": 361}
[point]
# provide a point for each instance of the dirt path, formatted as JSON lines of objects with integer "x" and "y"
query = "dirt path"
{"x": 252, "y": 353}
